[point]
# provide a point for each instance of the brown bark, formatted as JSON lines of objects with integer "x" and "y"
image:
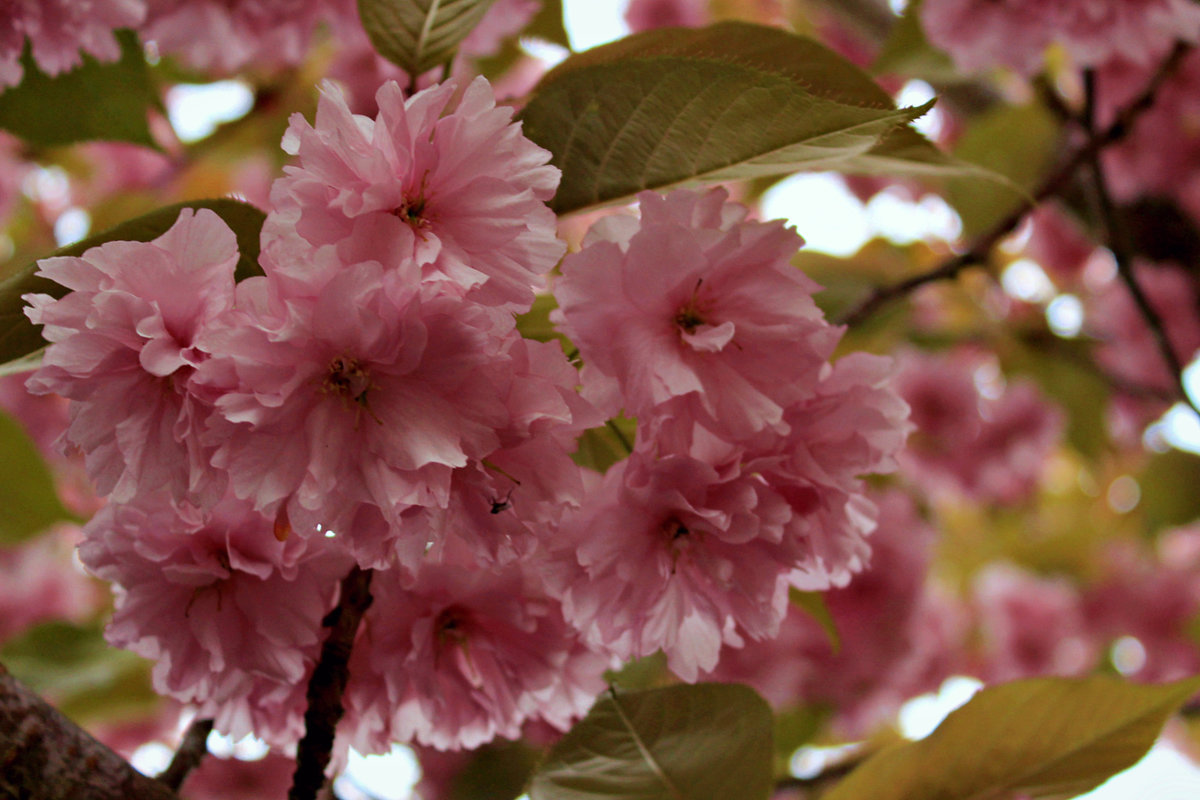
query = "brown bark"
{"x": 45, "y": 756}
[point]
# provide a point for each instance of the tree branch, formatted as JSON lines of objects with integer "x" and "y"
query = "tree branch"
{"x": 191, "y": 752}
{"x": 1118, "y": 245}
{"x": 982, "y": 246}
{"x": 45, "y": 756}
{"x": 327, "y": 684}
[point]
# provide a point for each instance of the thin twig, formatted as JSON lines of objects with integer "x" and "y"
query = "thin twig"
{"x": 1118, "y": 245}
{"x": 327, "y": 684}
{"x": 982, "y": 246}
{"x": 191, "y": 752}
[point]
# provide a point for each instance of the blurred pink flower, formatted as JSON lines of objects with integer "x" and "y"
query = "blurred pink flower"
{"x": 1030, "y": 625}
{"x": 57, "y": 30}
{"x": 228, "y": 35}
{"x": 990, "y": 447}
{"x": 980, "y": 34}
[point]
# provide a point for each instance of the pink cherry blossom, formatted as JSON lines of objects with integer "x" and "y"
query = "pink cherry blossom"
{"x": 124, "y": 344}
{"x": 644, "y": 15}
{"x": 227, "y": 35}
{"x": 58, "y": 30}
{"x": 895, "y": 634}
{"x": 37, "y": 583}
{"x": 214, "y": 597}
{"x": 457, "y": 657}
{"x": 355, "y": 405}
{"x": 695, "y": 306}
{"x": 1030, "y": 625}
{"x": 991, "y": 447}
{"x": 462, "y": 195}
{"x": 980, "y": 34}
{"x": 671, "y": 554}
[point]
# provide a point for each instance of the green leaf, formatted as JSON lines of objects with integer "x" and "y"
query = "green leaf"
{"x": 1168, "y": 485}
{"x": 418, "y": 35}
{"x": 1018, "y": 142}
{"x": 19, "y": 337}
{"x": 813, "y": 604}
{"x": 548, "y": 24}
{"x": 600, "y": 448}
{"x": 498, "y": 771}
{"x": 27, "y": 492}
{"x": 1046, "y": 738}
{"x": 686, "y": 742}
{"x": 907, "y": 52}
{"x": 79, "y": 672}
{"x": 93, "y": 101}
{"x": 676, "y": 106}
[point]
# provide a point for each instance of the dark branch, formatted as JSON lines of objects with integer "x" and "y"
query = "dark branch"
{"x": 982, "y": 247}
{"x": 1118, "y": 245}
{"x": 327, "y": 684}
{"x": 191, "y": 752}
{"x": 45, "y": 756}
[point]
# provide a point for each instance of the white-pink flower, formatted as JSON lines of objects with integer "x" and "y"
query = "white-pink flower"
{"x": 124, "y": 345}
{"x": 457, "y": 656}
{"x": 355, "y": 406}
{"x": 57, "y": 30}
{"x": 671, "y": 554}
{"x": 460, "y": 194}
{"x": 214, "y": 597}
{"x": 696, "y": 312}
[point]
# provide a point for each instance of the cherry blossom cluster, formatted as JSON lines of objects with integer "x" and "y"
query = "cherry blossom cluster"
{"x": 369, "y": 401}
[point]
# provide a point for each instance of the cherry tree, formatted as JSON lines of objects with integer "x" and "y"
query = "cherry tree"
{"x": 460, "y": 395}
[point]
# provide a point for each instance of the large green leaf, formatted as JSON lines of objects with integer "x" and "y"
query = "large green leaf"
{"x": 27, "y": 495}
{"x": 418, "y": 35}
{"x": 94, "y": 101}
{"x": 1045, "y": 738}
{"x": 698, "y": 742}
{"x": 674, "y": 106}
{"x": 19, "y": 337}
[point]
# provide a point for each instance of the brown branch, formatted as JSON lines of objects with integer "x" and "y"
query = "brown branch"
{"x": 191, "y": 752}
{"x": 45, "y": 756}
{"x": 982, "y": 246}
{"x": 1118, "y": 245}
{"x": 327, "y": 684}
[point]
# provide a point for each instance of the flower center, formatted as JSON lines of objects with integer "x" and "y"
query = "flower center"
{"x": 450, "y": 626}
{"x": 411, "y": 211}
{"x": 350, "y": 380}
{"x": 673, "y": 529}
{"x": 691, "y": 315}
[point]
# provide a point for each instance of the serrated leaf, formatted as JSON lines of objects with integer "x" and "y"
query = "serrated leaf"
{"x": 1045, "y": 738}
{"x": 28, "y": 497}
{"x": 687, "y": 742}
{"x": 19, "y": 337}
{"x": 676, "y": 106}
{"x": 97, "y": 100}
{"x": 418, "y": 35}
{"x": 600, "y": 448}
